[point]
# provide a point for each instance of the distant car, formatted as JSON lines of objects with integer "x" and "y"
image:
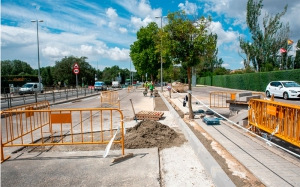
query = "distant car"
{"x": 285, "y": 89}
{"x": 99, "y": 85}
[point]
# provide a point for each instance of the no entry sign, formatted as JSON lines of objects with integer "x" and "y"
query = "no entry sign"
{"x": 75, "y": 71}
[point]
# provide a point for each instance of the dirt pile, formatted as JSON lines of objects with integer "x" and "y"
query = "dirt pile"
{"x": 148, "y": 133}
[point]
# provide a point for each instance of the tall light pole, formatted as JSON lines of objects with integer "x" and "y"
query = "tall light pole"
{"x": 38, "y": 48}
{"x": 161, "y": 70}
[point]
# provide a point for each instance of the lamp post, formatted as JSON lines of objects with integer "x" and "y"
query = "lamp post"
{"x": 38, "y": 48}
{"x": 161, "y": 70}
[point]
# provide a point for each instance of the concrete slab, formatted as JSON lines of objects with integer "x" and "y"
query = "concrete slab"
{"x": 82, "y": 168}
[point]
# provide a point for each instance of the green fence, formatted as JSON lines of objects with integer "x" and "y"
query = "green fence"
{"x": 250, "y": 81}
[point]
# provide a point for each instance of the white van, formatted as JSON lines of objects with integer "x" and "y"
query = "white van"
{"x": 31, "y": 87}
{"x": 116, "y": 84}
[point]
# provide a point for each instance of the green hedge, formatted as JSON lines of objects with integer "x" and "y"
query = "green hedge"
{"x": 250, "y": 81}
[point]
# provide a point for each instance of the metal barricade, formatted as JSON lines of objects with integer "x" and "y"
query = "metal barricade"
{"x": 110, "y": 99}
{"x": 32, "y": 106}
{"x": 60, "y": 127}
{"x": 220, "y": 99}
{"x": 279, "y": 119}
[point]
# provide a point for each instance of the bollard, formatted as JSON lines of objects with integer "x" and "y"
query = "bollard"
{"x": 35, "y": 95}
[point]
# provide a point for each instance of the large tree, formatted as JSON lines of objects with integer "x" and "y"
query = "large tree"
{"x": 144, "y": 53}
{"x": 266, "y": 41}
{"x": 187, "y": 42}
{"x": 63, "y": 73}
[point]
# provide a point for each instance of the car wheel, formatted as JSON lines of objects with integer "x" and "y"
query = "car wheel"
{"x": 268, "y": 94}
{"x": 285, "y": 96}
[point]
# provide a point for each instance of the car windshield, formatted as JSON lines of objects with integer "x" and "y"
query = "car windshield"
{"x": 27, "y": 86}
{"x": 290, "y": 84}
{"x": 98, "y": 83}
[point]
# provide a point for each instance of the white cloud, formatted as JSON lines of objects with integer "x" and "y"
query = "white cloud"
{"x": 86, "y": 49}
{"x": 140, "y": 8}
{"x": 225, "y": 65}
{"x": 189, "y": 8}
{"x": 224, "y": 37}
{"x": 52, "y": 52}
{"x": 111, "y": 13}
{"x": 123, "y": 30}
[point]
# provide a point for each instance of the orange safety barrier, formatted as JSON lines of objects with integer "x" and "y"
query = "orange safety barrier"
{"x": 130, "y": 88}
{"x": 110, "y": 99}
{"x": 276, "y": 118}
{"x": 31, "y": 106}
{"x": 60, "y": 127}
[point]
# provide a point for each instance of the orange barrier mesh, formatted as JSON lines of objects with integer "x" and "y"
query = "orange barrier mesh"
{"x": 60, "y": 127}
{"x": 110, "y": 99}
{"x": 276, "y": 118}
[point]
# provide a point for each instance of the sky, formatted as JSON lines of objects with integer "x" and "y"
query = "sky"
{"x": 103, "y": 30}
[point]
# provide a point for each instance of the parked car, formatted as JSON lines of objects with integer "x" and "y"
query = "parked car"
{"x": 99, "y": 85}
{"x": 285, "y": 89}
{"x": 31, "y": 87}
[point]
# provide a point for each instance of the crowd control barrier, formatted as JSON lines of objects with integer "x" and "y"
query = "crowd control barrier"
{"x": 60, "y": 127}
{"x": 279, "y": 119}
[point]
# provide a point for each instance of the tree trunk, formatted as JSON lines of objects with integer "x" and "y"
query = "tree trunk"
{"x": 191, "y": 113}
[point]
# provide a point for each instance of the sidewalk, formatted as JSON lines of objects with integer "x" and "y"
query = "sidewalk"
{"x": 270, "y": 165}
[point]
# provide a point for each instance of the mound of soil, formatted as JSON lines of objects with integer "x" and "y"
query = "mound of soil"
{"x": 148, "y": 133}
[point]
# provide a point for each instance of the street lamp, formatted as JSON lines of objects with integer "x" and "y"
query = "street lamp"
{"x": 38, "y": 48}
{"x": 161, "y": 70}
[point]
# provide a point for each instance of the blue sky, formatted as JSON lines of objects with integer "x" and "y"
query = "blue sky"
{"x": 103, "y": 30}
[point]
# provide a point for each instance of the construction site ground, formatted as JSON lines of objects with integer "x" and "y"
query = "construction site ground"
{"x": 188, "y": 153}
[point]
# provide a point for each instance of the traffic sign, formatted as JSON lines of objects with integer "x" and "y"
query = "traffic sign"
{"x": 76, "y": 71}
{"x": 76, "y": 66}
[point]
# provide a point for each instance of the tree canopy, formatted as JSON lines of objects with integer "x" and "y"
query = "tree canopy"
{"x": 144, "y": 53}
{"x": 188, "y": 43}
{"x": 15, "y": 67}
{"x": 63, "y": 71}
{"x": 266, "y": 41}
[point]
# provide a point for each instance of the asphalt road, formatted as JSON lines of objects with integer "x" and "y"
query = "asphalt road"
{"x": 204, "y": 91}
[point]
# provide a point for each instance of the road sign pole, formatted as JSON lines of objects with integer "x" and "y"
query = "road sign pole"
{"x": 76, "y": 82}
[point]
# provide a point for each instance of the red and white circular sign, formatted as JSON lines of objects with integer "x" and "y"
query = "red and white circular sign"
{"x": 76, "y": 71}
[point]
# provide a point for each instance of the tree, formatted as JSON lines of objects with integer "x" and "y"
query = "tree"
{"x": 109, "y": 74}
{"x": 297, "y": 57}
{"x": 187, "y": 43}
{"x": 15, "y": 67}
{"x": 266, "y": 41}
{"x": 46, "y": 74}
{"x": 144, "y": 53}
{"x": 63, "y": 71}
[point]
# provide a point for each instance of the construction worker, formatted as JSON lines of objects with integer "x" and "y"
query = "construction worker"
{"x": 151, "y": 87}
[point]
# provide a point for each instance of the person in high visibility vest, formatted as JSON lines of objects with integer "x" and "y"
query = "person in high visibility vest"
{"x": 151, "y": 87}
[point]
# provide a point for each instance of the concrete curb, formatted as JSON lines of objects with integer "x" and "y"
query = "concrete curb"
{"x": 217, "y": 174}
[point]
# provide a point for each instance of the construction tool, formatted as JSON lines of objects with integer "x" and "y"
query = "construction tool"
{"x": 133, "y": 110}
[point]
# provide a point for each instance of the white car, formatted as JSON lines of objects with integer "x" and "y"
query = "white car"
{"x": 285, "y": 89}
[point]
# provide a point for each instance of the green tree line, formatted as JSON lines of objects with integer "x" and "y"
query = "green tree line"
{"x": 62, "y": 72}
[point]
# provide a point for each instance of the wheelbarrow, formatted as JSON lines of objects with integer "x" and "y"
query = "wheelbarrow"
{"x": 145, "y": 93}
